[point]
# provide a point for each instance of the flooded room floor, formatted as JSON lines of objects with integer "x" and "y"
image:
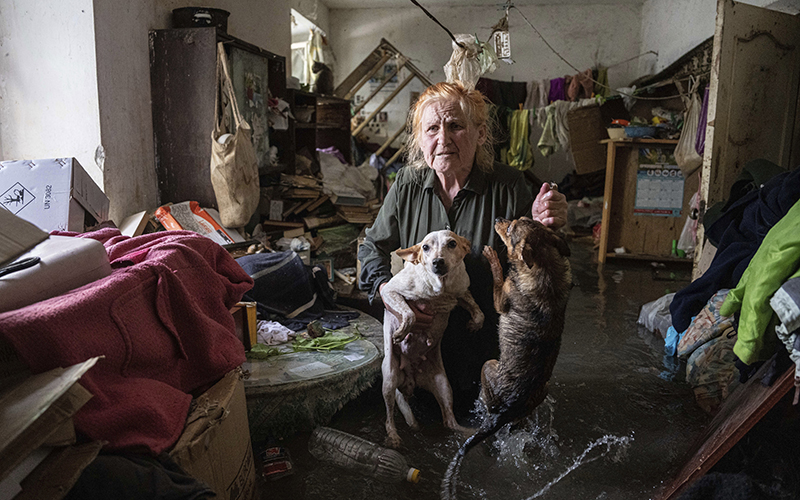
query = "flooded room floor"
{"x": 618, "y": 421}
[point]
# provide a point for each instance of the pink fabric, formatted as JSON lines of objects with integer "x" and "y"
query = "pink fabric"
{"x": 162, "y": 323}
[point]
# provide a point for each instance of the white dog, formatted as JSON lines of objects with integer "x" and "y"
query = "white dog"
{"x": 434, "y": 274}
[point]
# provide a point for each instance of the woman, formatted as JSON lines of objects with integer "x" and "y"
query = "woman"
{"x": 451, "y": 181}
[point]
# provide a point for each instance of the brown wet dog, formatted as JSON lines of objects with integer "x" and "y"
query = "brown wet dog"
{"x": 532, "y": 303}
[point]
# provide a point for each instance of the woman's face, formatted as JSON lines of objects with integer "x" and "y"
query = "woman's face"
{"x": 448, "y": 139}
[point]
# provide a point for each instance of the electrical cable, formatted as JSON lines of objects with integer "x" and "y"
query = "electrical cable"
{"x": 440, "y": 24}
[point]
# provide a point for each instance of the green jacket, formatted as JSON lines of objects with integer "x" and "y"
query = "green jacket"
{"x": 412, "y": 209}
{"x": 775, "y": 261}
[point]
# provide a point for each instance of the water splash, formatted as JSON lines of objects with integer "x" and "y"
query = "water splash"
{"x": 622, "y": 444}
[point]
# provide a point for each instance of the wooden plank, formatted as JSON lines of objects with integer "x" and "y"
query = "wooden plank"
{"x": 358, "y": 73}
{"x": 738, "y": 414}
{"x": 378, "y": 66}
{"x": 384, "y": 103}
{"x": 386, "y": 80}
{"x": 607, "y": 197}
{"x": 390, "y": 141}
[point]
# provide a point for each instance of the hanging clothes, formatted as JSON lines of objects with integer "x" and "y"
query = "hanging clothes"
{"x": 557, "y": 92}
{"x": 508, "y": 94}
{"x": 544, "y": 93}
{"x": 520, "y": 154}
{"x": 581, "y": 86}
{"x": 601, "y": 88}
{"x": 548, "y": 143}
{"x": 558, "y": 129}
{"x": 532, "y": 99}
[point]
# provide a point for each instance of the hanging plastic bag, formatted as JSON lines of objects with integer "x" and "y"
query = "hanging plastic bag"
{"x": 688, "y": 240}
{"x": 234, "y": 167}
{"x": 685, "y": 154}
{"x": 468, "y": 63}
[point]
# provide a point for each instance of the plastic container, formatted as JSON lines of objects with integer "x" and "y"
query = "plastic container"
{"x": 616, "y": 132}
{"x": 640, "y": 132}
{"x": 360, "y": 455}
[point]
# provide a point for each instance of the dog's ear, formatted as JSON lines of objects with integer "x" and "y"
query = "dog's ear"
{"x": 527, "y": 254}
{"x": 463, "y": 244}
{"x": 411, "y": 254}
{"x": 561, "y": 244}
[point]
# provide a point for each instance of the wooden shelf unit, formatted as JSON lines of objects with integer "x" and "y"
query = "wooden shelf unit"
{"x": 329, "y": 123}
{"x": 644, "y": 237}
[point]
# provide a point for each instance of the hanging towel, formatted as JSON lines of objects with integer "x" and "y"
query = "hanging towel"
{"x": 557, "y": 92}
{"x": 544, "y": 93}
{"x": 601, "y": 88}
{"x": 580, "y": 86}
{"x": 532, "y": 99}
{"x": 520, "y": 154}
{"x": 548, "y": 144}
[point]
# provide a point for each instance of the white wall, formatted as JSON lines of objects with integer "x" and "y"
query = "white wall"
{"x": 675, "y": 27}
{"x": 75, "y": 74}
{"x": 584, "y": 35}
{"x": 123, "y": 74}
{"x": 48, "y": 105}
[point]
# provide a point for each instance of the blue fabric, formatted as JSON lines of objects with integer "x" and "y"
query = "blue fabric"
{"x": 740, "y": 231}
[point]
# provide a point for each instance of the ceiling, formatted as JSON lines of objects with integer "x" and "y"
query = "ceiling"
{"x": 367, "y": 4}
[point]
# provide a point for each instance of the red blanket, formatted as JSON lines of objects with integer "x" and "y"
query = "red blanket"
{"x": 162, "y": 323}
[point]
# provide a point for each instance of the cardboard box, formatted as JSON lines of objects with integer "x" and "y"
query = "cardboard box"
{"x": 36, "y": 413}
{"x": 215, "y": 445}
{"x": 586, "y": 130}
{"x": 55, "y": 194}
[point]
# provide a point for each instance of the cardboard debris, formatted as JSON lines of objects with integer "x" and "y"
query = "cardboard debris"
{"x": 35, "y": 412}
{"x": 215, "y": 445}
{"x": 17, "y": 236}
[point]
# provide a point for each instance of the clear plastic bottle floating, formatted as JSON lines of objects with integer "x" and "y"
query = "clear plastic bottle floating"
{"x": 360, "y": 455}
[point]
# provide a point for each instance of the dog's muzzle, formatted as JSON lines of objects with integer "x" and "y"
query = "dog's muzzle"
{"x": 439, "y": 266}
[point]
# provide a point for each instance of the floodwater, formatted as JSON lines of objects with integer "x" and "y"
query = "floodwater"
{"x": 617, "y": 423}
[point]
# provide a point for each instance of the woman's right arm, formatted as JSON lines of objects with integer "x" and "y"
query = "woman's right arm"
{"x": 382, "y": 238}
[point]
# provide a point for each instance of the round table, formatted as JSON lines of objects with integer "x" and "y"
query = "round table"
{"x": 302, "y": 390}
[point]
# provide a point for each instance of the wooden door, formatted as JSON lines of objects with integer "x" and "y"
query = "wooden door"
{"x": 753, "y": 98}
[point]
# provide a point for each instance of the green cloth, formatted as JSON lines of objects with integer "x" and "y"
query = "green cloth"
{"x": 601, "y": 87}
{"x": 520, "y": 154}
{"x": 774, "y": 262}
{"x": 412, "y": 209}
{"x": 548, "y": 144}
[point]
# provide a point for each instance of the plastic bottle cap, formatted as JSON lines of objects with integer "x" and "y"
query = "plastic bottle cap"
{"x": 413, "y": 475}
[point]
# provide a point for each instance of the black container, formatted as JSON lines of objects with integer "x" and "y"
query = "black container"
{"x": 200, "y": 17}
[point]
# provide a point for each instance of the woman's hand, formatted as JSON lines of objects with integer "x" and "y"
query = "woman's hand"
{"x": 421, "y": 310}
{"x": 550, "y": 207}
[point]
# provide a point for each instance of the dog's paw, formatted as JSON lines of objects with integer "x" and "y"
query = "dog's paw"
{"x": 476, "y": 322}
{"x": 403, "y": 329}
{"x": 393, "y": 441}
{"x": 491, "y": 255}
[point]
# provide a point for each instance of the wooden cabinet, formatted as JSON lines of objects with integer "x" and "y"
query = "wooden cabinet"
{"x": 639, "y": 231}
{"x": 753, "y": 105}
{"x": 183, "y": 86}
{"x": 322, "y": 122}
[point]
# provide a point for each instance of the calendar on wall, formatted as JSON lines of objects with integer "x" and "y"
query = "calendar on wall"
{"x": 659, "y": 184}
